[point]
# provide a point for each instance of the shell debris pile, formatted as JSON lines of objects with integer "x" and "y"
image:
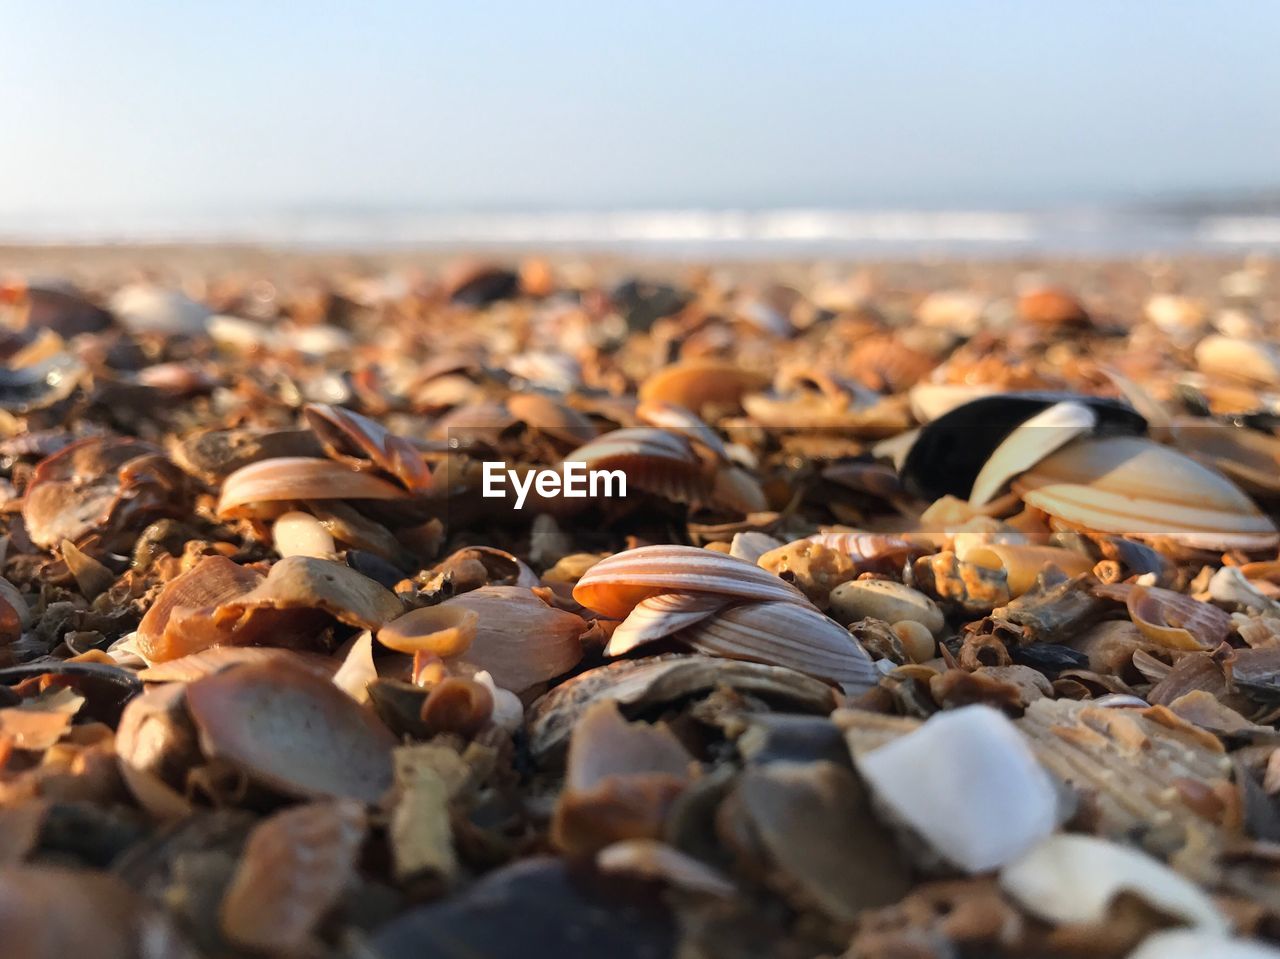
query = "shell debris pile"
{"x": 940, "y": 616}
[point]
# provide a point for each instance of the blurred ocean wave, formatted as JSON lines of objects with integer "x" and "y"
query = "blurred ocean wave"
{"x": 779, "y": 232}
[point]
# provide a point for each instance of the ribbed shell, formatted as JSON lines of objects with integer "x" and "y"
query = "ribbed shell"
{"x": 299, "y": 478}
{"x": 654, "y": 460}
{"x": 616, "y": 585}
{"x": 660, "y": 616}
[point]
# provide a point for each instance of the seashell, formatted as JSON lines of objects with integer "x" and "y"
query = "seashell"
{"x": 751, "y": 544}
{"x": 810, "y": 410}
{"x": 508, "y": 711}
{"x": 1251, "y": 361}
{"x": 357, "y": 670}
{"x": 1075, "y": 879}
{"x": 951, "y": 451}
{"x": 620, "y": 780}
{"x": 213, "y": 455}
{"x": 295, "y": 866}
{"x": 885, "y": 600}
{"x": 1198, "y": 944}
{"x": 737, "y": 491}
{"x": 1175, "y": 314}
{"x": 695, "y": 384}
{"x": 54, "y": 305}
{"x": 617, "y": 584}
{"x": 660, "y": 616}
{"x": 193, "y": 666}
{"x": 641, "y": 685}
{"x": 474, "y": 566}
{"x": 1023, "y": 564}
{"x": 300, "y": 534}
{"x": 421, "y": 835}
{"x": 1250, "y": 457}
{"x": 960, "y": 311}
{"x": 15, "y": 614}
{"x": 39, "y": 385}
{"x": 155, "y": 746}
{"x": 520, "y": 639}
{"x": 363, "y": 444}
{"x": 1052, "y": 307}
{"x": 556, "y": 419}
{"x": 654, "y": 460}
{"x": 968, "y": 782}
{"x": 1230, "y": 586}
{"x": 292, "y": 731}
{"x": 457, "y": 705}
{"x": 48, "y": 912}
{"x": 786, "y": 634}
{"x": 655, "y": 860}
{"x": 144, "y": 308}
{"x": 888, "y": 364}
{"x": 303, "y": 582}
{"x": 870, "y": 549}
{"x": 1171, "y": 619}
{"x": 1135, "y": 487}
{"x": 212, "y": 581}
{"x": 917, "y": 641}
{"x": 930, "y": 401}
{"x": 252, "y": 490}
{"x": 668, "y": 416}
{"x": 1032, "y": 441}
{"x": 815, "y": 839}
{"x": 442, "y": 630}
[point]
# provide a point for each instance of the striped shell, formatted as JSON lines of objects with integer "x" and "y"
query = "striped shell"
{"x": 660, "y": 616}
{"x": 616, "y": 585}
{"x": 289, "y": 478}
{"x": 786, "y": 634}
{"x": 1135, "y": 487}
{"x": 654, "y": 460}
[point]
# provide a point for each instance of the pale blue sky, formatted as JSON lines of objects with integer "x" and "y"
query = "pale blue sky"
{"x": 126, "y": 105}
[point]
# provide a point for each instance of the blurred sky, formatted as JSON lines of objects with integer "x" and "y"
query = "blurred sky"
{"x": 130, "y": 105}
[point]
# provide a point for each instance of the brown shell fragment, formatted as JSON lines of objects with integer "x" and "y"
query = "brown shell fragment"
{"x": 694, "y": 384}
{"x": 212, "y": 581}
{"x": 440, "y": 630}
{"x": 292, "y": 871}
{"x": 293, "y": 731}
{"x": 621, "y": 778}
{"x": 364, "y": 444}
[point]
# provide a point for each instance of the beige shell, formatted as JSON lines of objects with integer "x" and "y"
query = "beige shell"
{"x": 1135, "y": 487}
{"x": 520, "y": 639}
{"x": 668, "y": 416}
{"x": 442, "y": 630}
{"x": 212, "y": 581}
{"x": 289, "y": 478}
{"x": 1250, "y": 360}
{"x": 1250, "y": 457}
{"x": 362, "y": 444}
{"x": 786, "y": 634}
{"x": 1171, "y": 619}
{"x": 694, "y": 384}
{"x": 1032, "y": 441}
{"x": 1023, "y": 564}
{"x": 616, "y": 585}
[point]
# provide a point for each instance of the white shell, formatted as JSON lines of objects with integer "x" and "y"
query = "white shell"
{"x": 300, "y": 534}
{"x": 1049, "y": 430}
{"x": 968, "y": 782}
{"x": 143, "y": 308}
{"x": 1072, "y": 878}
{"x": 661, "y": 616}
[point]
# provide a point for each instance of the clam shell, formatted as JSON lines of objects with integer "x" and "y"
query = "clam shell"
{"x": 212, "y": 581}
{"x": 661, "y": 616}
{"x": 1069, "y": 879}
{"x": 293, "y": 731}
{"x": 694, "y": 384}
{"x": 786, "y": 634}
{"x": 288, "y": 478}
{"x": 1135, "y": 487}
{"x": 1048, "y": 430}
{"x": 520, "y": 639}
{"x": 616, "y": 585}
{"x": 363, "y": 443}
{"x": 654, "y": 460}
{"x": 1250, "y": 457}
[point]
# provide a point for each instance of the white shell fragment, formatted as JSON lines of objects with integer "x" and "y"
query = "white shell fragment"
{"x": 968, "y": 782}
{"x": 1048, "y": 430}
{"x": 1075, "y": 878}
{"x": 887, "y": 600}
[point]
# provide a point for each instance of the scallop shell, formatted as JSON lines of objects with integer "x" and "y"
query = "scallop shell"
{"x": 293, "y": 731}
{"x": 289, "y": 478}
{"x": 1135, "y": 487}
{"x": 616, "y": 585}
{"x": 786, "y": 634}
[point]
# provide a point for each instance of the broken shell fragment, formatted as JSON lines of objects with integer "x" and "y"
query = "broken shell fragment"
{"x": 968, "y": 782}
{"x": 1076, "y": 879}
{"x": 292, "y": 731}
